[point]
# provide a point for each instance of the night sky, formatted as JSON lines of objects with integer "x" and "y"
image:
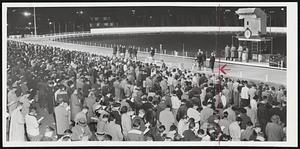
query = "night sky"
{"x": 78, "y": 18}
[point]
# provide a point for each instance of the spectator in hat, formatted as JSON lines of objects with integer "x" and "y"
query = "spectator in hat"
{"x": 245, "y": 118}
{"x": 135, "y": 134}
{"x": 115, "y": 110}
{"x": 246, "y": 134}
{"x": 274, "y": 131}
{"x": 32, "y": 125}
{"x": 224, "y": 122}
{"x": 49, "y": 134}
{"x": 275, "y": 110}
{"x": 102, "y": 123}
{"x": 189, "y": 135}
{"x": 141, "y": 116}
{"x": 61, "y": 93}
{"x": 26, "y": 103}
{"x": 67, "y": 135}
{"x": 81, "y": 131}
{"x": 82, "y": 114}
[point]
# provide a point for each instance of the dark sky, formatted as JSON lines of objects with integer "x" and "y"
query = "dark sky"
{"x": 72, "y": 15}
{"x": 69, "y": 13}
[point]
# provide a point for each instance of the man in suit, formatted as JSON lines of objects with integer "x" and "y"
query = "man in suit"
{"x": 200, "y": 59}
{"x": 212, "y": 62}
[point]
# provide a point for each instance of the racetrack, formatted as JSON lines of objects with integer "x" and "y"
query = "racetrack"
{"x": 271, "y": 76}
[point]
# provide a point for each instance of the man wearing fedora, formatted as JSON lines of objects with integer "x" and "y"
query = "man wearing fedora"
{"x": 81, "y": 131}
{"x": 82, "y": 114}
{"x": 135, "y": 134}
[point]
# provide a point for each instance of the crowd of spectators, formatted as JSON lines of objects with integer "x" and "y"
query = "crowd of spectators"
{"x": 103, "y": 98}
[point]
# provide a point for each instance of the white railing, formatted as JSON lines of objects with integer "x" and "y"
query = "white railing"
{"x": 49, "y": 35}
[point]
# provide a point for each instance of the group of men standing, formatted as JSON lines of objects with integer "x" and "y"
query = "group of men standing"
{"x": 231, "y": 53}
{"x": 122, "y": 50}
{"x": 201, "y": 59}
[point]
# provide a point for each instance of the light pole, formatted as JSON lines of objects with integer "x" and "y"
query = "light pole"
{"x": 54, "y": 27}
{"x": 50, "y": 27}
{"x": 50, "y": 23}
{"x": 34, "y": 21}
{"x": 66, "y": 27}
{"x": 58, "y": 27}
{"x": 27, "y": 14}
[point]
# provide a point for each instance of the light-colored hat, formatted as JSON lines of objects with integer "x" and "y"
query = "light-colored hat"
{"x": 82, "y": 122}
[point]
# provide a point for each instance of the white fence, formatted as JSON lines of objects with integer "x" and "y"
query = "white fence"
{"x": 50, "y": 35}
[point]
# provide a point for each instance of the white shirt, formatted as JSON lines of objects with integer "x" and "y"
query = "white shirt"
{"x": 251, "y": 92}
{"x": 193, "y": 113}
{"x": 223, "y": 99}
{"x": 175, "y": 102}
{"x": 32, "y": 126}
{"x": 170, "y": 80}
{"x": 245, "y": 92}
{"x": 182, "y": 126}
{"x": 253, "y": 104}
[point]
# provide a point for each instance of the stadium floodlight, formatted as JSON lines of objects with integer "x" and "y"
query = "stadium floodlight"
{"x": 26, "y": 14}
